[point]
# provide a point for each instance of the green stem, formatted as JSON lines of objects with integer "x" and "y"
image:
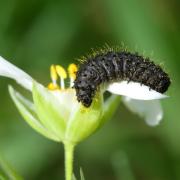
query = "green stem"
{"x": 69, "y": 150}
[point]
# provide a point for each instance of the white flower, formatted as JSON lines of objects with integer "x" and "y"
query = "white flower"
{"x": 55, "y": 112}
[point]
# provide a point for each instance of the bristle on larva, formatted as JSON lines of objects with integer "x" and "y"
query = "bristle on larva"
{"x": 114, "y": 66}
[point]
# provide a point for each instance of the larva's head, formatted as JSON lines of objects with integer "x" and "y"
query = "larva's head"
{"x": 83, "y": 91}
{"x": 84, "y": 98}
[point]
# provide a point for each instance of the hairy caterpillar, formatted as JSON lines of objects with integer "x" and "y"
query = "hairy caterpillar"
{"x": 113, "y": 66}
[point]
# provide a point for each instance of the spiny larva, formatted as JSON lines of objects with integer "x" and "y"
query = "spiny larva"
{"x": 114, "y": 66}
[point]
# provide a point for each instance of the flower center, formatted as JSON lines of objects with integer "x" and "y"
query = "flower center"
{"x": 58, "y": 72}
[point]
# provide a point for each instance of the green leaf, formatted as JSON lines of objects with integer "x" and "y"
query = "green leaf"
{"x": 49, "y": 110}
{"x": 27, "y": 110}
{"x": 74, "y": 177}
{"x": 82, "y": 174}
{"x": 7, "y": 172}
{"x": 85, "y": 121}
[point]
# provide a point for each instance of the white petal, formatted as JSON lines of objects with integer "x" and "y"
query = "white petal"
{"x": 67, "y": 101}
{"x": 151, "y": 110}
{"x": 11, "y": 71}
{"x": 134, "y": 90}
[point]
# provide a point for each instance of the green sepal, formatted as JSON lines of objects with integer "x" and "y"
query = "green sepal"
{"x": 84, "y": 121}
{"x": 49, "y": 110}
{"x": 109, "y": 108}
{"x": 27, "y": 110}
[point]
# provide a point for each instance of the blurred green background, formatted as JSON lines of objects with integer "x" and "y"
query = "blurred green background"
{"x": 35, "y": 34}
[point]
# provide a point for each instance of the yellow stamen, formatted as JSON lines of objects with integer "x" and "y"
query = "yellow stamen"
{"x": 61, "y": 72}
{"x": 52, "y": 86}
{"x": 72, "y": 70}
{"x": 53, "y": 73}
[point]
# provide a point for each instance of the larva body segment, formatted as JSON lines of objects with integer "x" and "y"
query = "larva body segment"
{"x": 117, "y": 66}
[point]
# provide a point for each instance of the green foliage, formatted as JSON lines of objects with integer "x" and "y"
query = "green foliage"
{"x": 35, "y": 34}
